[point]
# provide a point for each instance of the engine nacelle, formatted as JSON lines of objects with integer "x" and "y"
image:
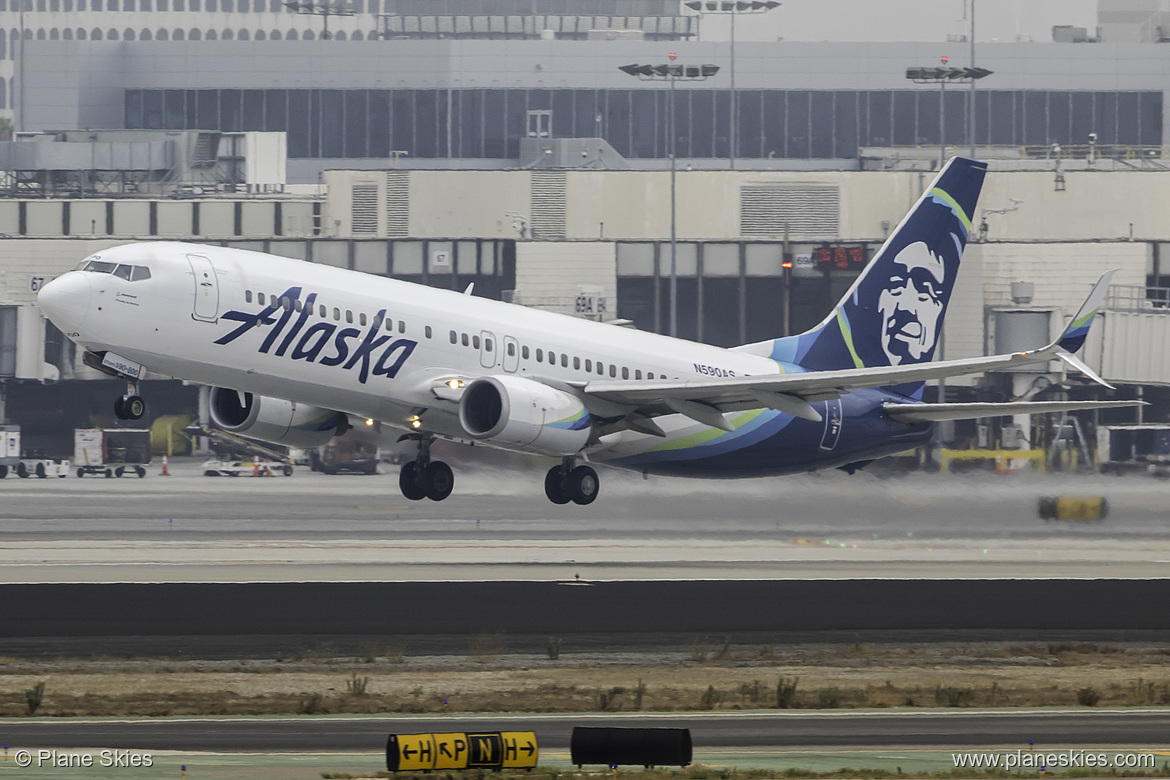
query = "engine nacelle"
{"x": 523, "y": 414}
{"x": 275, "y": 420}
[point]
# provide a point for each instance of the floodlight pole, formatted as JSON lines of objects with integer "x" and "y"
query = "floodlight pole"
{"x": 673, "y": 217}
{"x": 971, "y": 108}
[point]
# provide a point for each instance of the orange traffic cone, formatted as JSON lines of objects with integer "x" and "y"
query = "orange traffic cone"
{"x": 165, "y": 472}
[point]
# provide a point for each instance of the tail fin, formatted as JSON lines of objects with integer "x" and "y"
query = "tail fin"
{"x": 893, "y": 313}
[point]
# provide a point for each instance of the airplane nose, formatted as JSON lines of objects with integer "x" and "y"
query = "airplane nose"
{"x": 65, "y": 301}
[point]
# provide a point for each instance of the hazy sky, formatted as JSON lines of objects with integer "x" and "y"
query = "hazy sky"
{"x": 905, "y": 20}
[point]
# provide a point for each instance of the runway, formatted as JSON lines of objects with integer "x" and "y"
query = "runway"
{"x": 934, "y": 727}
{"x": 499, "y": 527}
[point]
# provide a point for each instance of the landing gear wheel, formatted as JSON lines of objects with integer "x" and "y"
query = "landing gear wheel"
{"x": 440, "y": 481}
{"x": 120, "y": 408}
{"x": 583, "y": 485}
{"x": 410, "y": 484}
{"x": 135, "y": 407}
{"x": 556, "y": 485}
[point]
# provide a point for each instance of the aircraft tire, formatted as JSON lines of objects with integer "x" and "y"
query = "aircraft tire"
{"x": 556, "y": 486}
{"x": 409, "y": 482}
{"x": 120, "y": 408}
{"x": 135, "y": 407}
{"x": 440, "y": 481}
{"x": 584, "y": 485}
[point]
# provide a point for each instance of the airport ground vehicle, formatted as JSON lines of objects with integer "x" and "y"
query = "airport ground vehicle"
{"x": 343, "y": 455}
{"x": 36, "y": 463}
{"x": 237, "y": 467}
{"x": 111, "y": 451}
{"x": 9, "y": 448}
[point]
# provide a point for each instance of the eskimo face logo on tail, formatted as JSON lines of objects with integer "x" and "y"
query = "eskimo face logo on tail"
{"x": 322, "y": 342}
{"x": 911, "y": 304}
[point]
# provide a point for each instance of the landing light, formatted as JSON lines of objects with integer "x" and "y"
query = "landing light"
{"x": 454, "y": 384}
{"x": 369, "y": 422}
{"x": 416, "y": 423}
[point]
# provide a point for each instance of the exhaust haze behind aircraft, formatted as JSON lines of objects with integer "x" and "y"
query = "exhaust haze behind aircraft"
{"x": 291, "y": 349}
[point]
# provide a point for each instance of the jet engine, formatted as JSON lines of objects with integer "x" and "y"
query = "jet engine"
{"x": 523, "y": 414}
{"x": 275, "y": 420}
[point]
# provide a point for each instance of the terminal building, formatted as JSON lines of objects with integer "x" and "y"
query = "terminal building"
{"x": 452, "y": 142}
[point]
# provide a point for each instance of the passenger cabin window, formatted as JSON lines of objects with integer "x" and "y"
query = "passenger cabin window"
{"x": 625, "y": 372}
{"x": 464, "y": 339}
{"x": 564, "y": 360}
{"x": 475, "y": 341}
{"x": 511, "y": 350}
{"x": 576, "y": 364}
{"x": 337, "y": 314}
{"x": 427, "y": 331}
{"x": 349, "y": 316}
{"x": 524, "y": 352}
{"x": 362, "y": 319}
{"x": 552, "y": 358}
{"x": 539, "y": 355}
{"x": 402, "y": 326}
{"x": 487, "y": 345}
{"x": 588, "y": 364}
{"x": 390, "y": 328}
{"x": 613, "y": 371}
{"x": 286, "y": 302}
{"x": 298, "y": 305}
{"x": 638, "y": 373}
{"x": 322, "y": 310}
{"x": 377, "y": 321}
{"x": 247, "y": 296}
{"x": 454, "y": 337}
{"x": 260, "y": 298}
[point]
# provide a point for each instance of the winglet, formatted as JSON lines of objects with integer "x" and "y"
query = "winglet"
{"x": 1074, "y": 335}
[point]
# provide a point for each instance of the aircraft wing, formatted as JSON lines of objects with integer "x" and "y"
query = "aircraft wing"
{"x": 704, "y": 400}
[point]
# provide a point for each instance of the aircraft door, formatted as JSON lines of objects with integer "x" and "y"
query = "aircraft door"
{"x": 833, "y": 422}
{"x": 206, "y": 306}
{"x": 511, "y": 355}
{"x": 487, "y": 349}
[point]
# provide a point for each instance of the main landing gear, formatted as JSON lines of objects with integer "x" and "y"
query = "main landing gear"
{"x": 564, "y": 483}
{"x": 130, "y": 406}
{"x": 425, "y": 478}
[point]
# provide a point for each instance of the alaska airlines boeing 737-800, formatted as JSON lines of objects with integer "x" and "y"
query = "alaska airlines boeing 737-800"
{"x": 291, "y": 349}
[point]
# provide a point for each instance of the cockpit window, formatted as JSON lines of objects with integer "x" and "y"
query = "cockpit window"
{"x": 131, "y": 273}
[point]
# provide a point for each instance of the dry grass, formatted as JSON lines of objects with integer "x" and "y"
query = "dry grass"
{"x": 490, "y": 680}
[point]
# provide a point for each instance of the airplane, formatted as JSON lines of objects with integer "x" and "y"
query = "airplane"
{"x": 291, "y": 349}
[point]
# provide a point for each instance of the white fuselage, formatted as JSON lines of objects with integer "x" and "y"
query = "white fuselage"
{"x": 370, "y": 346}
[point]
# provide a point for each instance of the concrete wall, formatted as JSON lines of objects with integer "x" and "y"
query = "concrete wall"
{"x": 550, "y": 275}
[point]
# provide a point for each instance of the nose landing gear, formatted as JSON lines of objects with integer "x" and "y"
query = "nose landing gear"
{"x": 425, "y": 478}
{"x": 130, "y": 406}
{"x": 564, "y": 483}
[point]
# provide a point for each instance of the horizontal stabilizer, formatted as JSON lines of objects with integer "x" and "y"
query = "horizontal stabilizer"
{"x": 940, "y": 412}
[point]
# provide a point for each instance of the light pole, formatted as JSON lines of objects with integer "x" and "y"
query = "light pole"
{"x": 942, "y": 75}
{"x": 672, "y": 72}
{"x": 733, "y": 8}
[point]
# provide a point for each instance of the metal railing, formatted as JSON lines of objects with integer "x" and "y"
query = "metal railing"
{"x": 1139, "y": 298}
